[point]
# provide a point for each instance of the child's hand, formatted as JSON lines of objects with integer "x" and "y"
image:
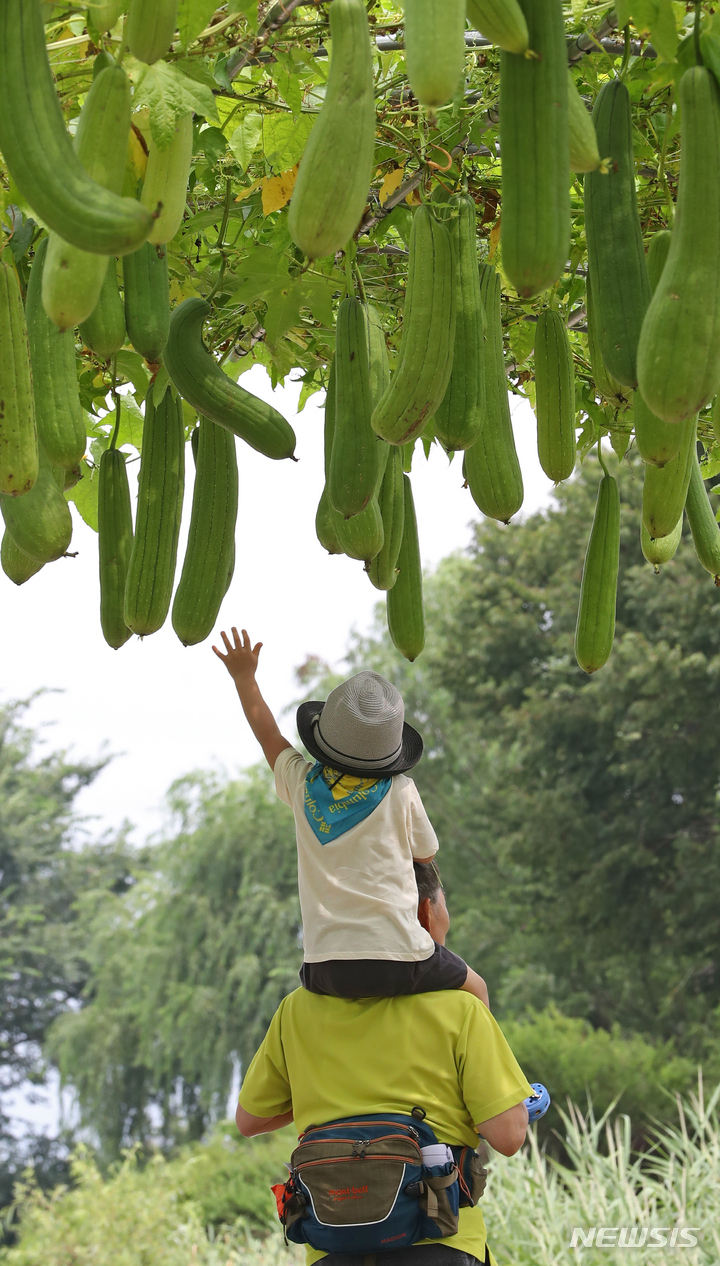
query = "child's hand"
{"x": 242, "y": 657}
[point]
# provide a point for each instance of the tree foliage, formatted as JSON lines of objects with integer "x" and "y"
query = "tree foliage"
{"x": 46, "y": 868}
{"x": 578, "y": 816}
{"x": 187, "y": 969}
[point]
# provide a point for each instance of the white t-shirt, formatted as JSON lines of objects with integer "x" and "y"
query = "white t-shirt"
{"x": 358, "y": 894}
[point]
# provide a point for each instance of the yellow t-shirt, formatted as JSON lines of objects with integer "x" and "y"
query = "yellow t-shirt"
{"x": 334, "y": 1057}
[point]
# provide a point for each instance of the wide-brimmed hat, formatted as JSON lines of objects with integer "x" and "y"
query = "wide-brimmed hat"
{"x": 361, "y": 729}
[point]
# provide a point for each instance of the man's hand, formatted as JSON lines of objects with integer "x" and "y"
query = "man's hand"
{"x": 242, "y": 657}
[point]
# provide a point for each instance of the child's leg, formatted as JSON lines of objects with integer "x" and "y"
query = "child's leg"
{"x": 476, "y": 985}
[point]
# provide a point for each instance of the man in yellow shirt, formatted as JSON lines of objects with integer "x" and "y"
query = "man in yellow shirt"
{"x": 326, "y": 1058}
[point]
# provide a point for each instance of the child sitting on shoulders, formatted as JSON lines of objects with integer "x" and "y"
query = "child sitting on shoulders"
{"x": 360, "y": 825}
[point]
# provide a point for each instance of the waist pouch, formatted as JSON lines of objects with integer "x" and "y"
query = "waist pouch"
{"x": 358, "y": 1185}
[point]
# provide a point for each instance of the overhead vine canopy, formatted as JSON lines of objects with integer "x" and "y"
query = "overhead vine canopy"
{"x": 254, "y": 78}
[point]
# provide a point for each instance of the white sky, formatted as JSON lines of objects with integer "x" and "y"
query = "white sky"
{"x": 164, "y": 709}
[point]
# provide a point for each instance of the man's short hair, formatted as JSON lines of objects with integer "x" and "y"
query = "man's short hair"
{"x": 427, "y": 878}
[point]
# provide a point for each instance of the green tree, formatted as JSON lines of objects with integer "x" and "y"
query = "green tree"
{"x": 187, "y": 967}
{"x": 578, "y": 816}
{"x": 45, "y": 865}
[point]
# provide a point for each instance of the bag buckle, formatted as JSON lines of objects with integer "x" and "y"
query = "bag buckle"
{"x": 359, "y": 1148}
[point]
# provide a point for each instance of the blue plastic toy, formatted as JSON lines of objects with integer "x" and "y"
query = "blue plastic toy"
{"x": 538, "y": 1103}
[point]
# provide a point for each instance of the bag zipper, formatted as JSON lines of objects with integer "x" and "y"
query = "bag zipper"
{"x": 381, "y": 1139}
{"x": 333, "y": 1160}
{"x": 314, "y": 1129}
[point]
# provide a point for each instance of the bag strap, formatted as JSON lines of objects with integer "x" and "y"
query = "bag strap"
{"x": 438, "y": 1184}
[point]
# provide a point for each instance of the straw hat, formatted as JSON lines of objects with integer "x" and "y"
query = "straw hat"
{"x": 361, "y": 729}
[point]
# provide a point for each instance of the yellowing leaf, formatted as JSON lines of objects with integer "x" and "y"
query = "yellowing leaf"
{"x": 277, "y": 190}
{"x": 494, "y": 237}
{"x": 391, "y": 183}
{"x": 413, "y": 198}
{"x": 245, "y": 193}
{"x": 180, "y": 290}
{"x": 137, "y": 156}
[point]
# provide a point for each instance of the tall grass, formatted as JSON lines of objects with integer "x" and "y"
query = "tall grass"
{"x": 533, "y": 1204}
{"x": 146, "y": 1218}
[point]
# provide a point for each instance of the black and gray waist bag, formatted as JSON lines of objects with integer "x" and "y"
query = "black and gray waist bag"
{"x": 359, "y": 1185}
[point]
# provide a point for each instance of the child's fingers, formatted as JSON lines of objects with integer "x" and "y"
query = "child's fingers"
{"x": 226, "y": 640}
{"x": 218, "y": 653}
{"x": 246, "y": 640}
{"x": 257, "y": 649}
{"x": 236, "y": 638}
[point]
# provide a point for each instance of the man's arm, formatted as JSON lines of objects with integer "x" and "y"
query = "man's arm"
{"x": 241, "y": 662}
{"x": 249, "y": 1125}
{"x": 506, "y": 1132}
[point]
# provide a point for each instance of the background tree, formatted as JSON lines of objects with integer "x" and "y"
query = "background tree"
{"x": 46, "y": 866}
{"x": 188, "y": 968}
{"x": 584, "y": 808}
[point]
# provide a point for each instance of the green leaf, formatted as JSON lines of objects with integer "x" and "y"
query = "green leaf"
{"x": 284, "y": 139}
{"x": 130, "y": 430}
{"x": 193, "y": 17}
{"x": 160, "y": 385}
{"x": 169, "y": 95}
{"x": 85, "y": 495}
{"x": 213, "y": 142}
{"x": 317, "y": 296}
{"x": 657, "y": 17}
{"x": 283, "y": 310}
{"x": 623, "y": 10}
{"x": 246, "y": 138}
{"x": 132, "y": 367}
{"x": 22, "y": 237}
{"x": 290, "y": 88}
{"x": 262, "y": 272}
{"x": 522, "y": 340}
{"x": 710, "y": 468}
{"x": 620, "y": 441}
{"x": 310, "y": 387}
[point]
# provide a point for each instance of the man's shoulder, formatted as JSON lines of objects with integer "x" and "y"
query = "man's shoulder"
{"x": 445, "y": 1008}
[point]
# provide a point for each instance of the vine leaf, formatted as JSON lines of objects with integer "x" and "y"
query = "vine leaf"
{"x": 85, "y": 495}
{"x": 193, "y": 17}
{"x": 392, "y": 181}
{"x": 246, "y": 138}
{"x": 655, "y": 18}
{"x": 284, "y": 139}
{"x": 169, "y": 95}
{"x": 277, "y": 190}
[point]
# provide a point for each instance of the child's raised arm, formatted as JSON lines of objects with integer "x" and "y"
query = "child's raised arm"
{"x": 241, "y": 662}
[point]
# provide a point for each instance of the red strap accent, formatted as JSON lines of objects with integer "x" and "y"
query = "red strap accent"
{"x": 282, "y": 1196}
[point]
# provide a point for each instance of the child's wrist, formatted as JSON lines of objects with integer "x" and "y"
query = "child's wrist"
{"x": 244, "y": 677}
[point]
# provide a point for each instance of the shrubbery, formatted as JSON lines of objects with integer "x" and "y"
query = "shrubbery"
{"x": 577, "y": 1062}
{"x": 207, "y": 1207}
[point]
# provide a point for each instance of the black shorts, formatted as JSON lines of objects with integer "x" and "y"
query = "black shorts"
{"x": 383, "y": 977}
